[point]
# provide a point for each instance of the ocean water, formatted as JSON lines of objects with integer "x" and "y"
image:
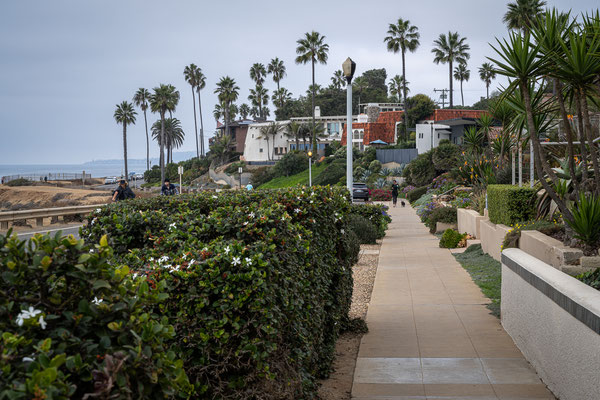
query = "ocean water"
{"x": 98, "y": 170}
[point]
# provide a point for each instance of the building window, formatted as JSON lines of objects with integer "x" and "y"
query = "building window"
{"x": 260, "y": 150}
{"x": 333, "y": 128}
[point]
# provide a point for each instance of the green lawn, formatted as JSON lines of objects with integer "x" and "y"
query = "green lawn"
{"x": 486, "y": 273}
{"x": 293, "y": 180}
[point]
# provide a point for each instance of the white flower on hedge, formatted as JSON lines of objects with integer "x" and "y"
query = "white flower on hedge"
{"x": 97, "y": 301}
{"x": 27, "y": 359}
{"x": 98, "y": 209}
{"x": 176, "y": 268}
{"x": 251, "y": 215}
{"x": 343, "y": 231}
{"x": 172, "y": 226}
{"x": 151, "y": 259}
{"x": 163, "y": 259}
{"x": 236, "y": 261}
{"x": 215, "y": 197}
{"x": 192, "y": 262}
{"x": 245, "y": 223}
{"x": 42, "y": 322}
{"x": 248, "y": 261}
{"x": 297, "y": 210}
{"x": 311, "y": 202}
{"x": 135, "y": 275}
{"x": 227, "y": 250}
{"x": 184, "y": 257}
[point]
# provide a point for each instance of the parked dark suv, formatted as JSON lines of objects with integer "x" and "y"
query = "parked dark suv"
{"x": 360, "y": 191}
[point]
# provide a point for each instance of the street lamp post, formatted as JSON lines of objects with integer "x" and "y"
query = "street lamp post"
{"x": 309, "y": 168}
{"x": 348, "y": 67}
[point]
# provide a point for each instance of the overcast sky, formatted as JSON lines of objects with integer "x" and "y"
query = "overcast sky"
{"x": 65, "y": 64}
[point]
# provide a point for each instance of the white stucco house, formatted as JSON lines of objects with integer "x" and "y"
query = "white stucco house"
{"x": 263, "y": 149}
{"x": 429, "y": 133}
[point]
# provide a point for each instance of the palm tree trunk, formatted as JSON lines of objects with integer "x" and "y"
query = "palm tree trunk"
{"x": 462, "y": 96}
{"x": 201, "y": 126}
{"x": 487, "y": 90}
{"x": 195, "y": 123}
{"x": 147, "y": 143}
{"x": 569, "y": 130}
{"x": 125, "y": 149}
{"x": 582, "y": 140}
{"x": 593, "y": 149}
{"x": 268, "y": 155}
{"x": 404, "y": 95}
{"x": 314, "y": 135}
{"x": 162, "y": 147}
{"x": 541, "y": 164}
{"x": 451, "y": 97}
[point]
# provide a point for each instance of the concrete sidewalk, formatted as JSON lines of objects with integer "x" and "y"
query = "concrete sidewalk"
{"x": 430, "y": 334}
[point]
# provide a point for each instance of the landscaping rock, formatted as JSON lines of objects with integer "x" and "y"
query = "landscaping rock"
{"x": 440, "y": 227}
{"x": 590, "y": 262}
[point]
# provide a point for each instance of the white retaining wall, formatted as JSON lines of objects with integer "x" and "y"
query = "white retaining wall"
{"x": 492, "y": 237}
{"x": 554, "y": 319}
{"x": 468, "y": 222}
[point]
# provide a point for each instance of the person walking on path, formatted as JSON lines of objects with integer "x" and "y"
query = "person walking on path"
{"x": 123, "y": 192}
{"x": 168, "y": 189}
{"x": 249, "y": 186}
{"x": 395, "y": 188}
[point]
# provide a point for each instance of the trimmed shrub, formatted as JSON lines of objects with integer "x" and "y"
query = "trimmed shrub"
{"x": 447, "y": 215}
{"x": 450, "y": 239}
{"x": 262, "y": 175}
{"x": 331, "y": 174}
{"x": 421, "y": 170}
{"x": 376, "y": 213}
{"x": 365, "y": 231}
{"x": 259, "y": 283}
{"x": 415, "y": 194}
{"x": 445, "y": 156}
{"x": 291, "y": 164}
{"x": 375, "y": 166}
{"x": 74, "y": 324}
{"x": 20, "y": 182}
{"x": 509, "y": 204}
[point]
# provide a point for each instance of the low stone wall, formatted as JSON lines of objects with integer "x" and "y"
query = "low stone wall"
{"x": 554, "y": 319}
{"x": 551, "y": 251}
{"x": 492, "y": 237}
{"x": 468, "y": 222}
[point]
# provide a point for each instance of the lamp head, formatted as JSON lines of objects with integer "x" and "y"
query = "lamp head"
{"x": 348, "y": 68}
{"x": 310, "y": 153}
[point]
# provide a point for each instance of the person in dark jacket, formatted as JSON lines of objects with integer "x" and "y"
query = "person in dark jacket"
{"x": 123, "y": 192}
{"x": 168, "y": 189}
{"x": 395, "y": 188}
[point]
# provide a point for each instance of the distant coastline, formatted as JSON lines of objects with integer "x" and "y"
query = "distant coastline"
{"x": 98, "y": 168}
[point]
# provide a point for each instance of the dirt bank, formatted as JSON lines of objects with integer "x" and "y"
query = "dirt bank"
{"x": 31, "y": 197}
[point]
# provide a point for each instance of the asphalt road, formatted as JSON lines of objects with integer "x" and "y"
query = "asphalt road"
{"x": 67, "y": 230}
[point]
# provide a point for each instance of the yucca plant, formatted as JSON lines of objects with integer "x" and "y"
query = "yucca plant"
{"x": 386, "y": 172}
{"x": 586, "y": 220}
{"x": 381, "y": 183}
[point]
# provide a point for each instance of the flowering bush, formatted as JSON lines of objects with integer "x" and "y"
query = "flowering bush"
{"x": 74, "y": 326}
{"x": 376, "y": 213}
{"x": 259, "y": 283}
{"x": 408, "y": 188}
{"x": 381, "y": 194}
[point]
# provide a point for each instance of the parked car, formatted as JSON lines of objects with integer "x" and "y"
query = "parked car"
{"x": 109, "y": 180}
{"x": 360, "y": 191}
{"x": 138, "y": 176}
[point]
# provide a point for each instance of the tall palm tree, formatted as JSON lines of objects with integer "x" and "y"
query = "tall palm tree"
{"x": 271, "y": 130}
{"x": 259, "y": 97}
{"x": 461, "y": 73}
{"x": 201, "y": 79}
{"x": 140, "y": 99}
{"x": 397, "y": 85}
{"x": 450, "y": 49}
{"x": 403, "y": 36}
{"x": 487, "y": 74}
{"x": 359, "y": 85}
{"x": 281, "y": 96}
{"x": 521, "y": 14}
{"x": 258, "y": 73}
{"x": 276, "y": 68}
{"x": 125, "y": 114}
{"x": 244, "y": 111}
{"x": 312, "y": 48}
{"x": 228, "y": 92}
{"x": 337, "y": 80}
{"x": 190, "y": 74}
{"x": 294, "y": 131}
{"x": 173, "y": 137}
{"x": 165, "y": 98}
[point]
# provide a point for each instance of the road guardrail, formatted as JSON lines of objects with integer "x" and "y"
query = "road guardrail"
{"x": 41, "y": 213}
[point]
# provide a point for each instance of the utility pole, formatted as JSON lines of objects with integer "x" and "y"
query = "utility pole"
{"x": 443, "y": 96}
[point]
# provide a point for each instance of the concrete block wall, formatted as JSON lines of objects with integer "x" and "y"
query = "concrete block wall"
{"x": 492, "y": 236}
{"x": 554, "y": 320}
{"x": 468, "y": 222}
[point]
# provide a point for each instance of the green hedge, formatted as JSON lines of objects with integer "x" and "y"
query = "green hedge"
{"x": 259, "y": 283}
{"x": 376, "y": 213}
{"x": 415, "y": 194}
{"x": 509, "y": 204}
{"x": 447, "y": 215}
{"x": 75, "y": 323}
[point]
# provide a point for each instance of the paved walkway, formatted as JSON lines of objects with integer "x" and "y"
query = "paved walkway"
{"x": 430, "y": 334}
